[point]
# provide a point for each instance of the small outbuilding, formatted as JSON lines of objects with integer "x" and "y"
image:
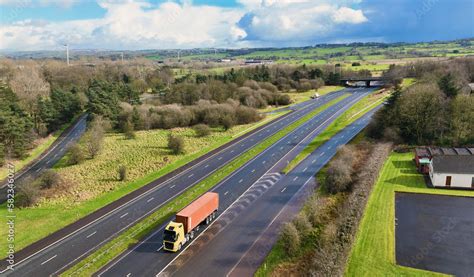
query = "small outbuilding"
{"x": 447, "y": 167}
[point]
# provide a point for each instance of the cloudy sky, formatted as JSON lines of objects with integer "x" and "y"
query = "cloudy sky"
{"x": 159, "y": 24}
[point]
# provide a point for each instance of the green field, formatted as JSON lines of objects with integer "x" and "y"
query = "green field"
{"x": 113, "y": 248}
{"x": 373, "y": 253}
{"x": 94, "y": 183}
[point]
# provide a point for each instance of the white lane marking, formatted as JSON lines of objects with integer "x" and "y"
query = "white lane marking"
{"x": 321, "y": 154}
{"x": 191, "y": 175}
{"x": 206, "y": 166}
{"x": 157, "y": 250}
{"x": 240, "y": 181}
{"x": 220, "y": 158}
{"x": 273, "y": 154}
{"x": 305, "y": 169}
{"x": 128, "y": 275}
{"x": 281, "y": 148}
{"x": 283, "y": 189}
{"x": 91, "y": 235}
{"x": 172, "y": 186}
{"x": 38, "y": 169}
{"x": 55, "y": 155}
{"x": 313, "y": 161}
{"x": 253, "y": 170}
{"x": 296, "y": 178}
{"x": 225, "y": 193}
{"x": 242, "y": 145}
{"x": 124, "y": 215}
{"x": 49, "y": 259}
{"x": 329, "y": 147}
{"x": 232, "y": 151}
{"x": 251, "y": 140}
{"x": 264, "y": 162}
{"x": 149, "y": 200}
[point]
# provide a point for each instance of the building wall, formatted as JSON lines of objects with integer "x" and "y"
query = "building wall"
{"x": 457, "y": 180}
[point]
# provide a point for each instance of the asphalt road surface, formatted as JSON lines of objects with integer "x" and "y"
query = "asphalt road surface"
{"x": 59, "y": 254}
{"x": 47, "y": 160}
{"x": 435, "y": 232}
{"x": 223, "y": 249}
{"x": 148, "y": 258}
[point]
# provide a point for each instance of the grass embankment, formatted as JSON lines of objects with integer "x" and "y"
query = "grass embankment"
{"x": 94, "y": 183}
{"x": 352, "y": 114}
{"x": 298, "y": 97}
{"x": 112, "y": 249}
{"x": 373, "y": 253}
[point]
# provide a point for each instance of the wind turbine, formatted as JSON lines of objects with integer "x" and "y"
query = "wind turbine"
{"x": 67, "y": 53}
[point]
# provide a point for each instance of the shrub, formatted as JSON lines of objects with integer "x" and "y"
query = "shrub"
{"x": 122, "y": 172}
{"x": 356, "y": 64}
{"x": 338, "y": 176}
{"x": 228, "y": 122}
{"x": 94, "y": 137}
{"x": 49, "y": 179}
{"x": 76, "y": 155}
{"x": 302, "y": 223}
{"x": 129, "y": 130}
{"x": 176, "y": 144}
{"x": 290, "y": 239}
{"x": 28, "y": 193}
{"x": 2, "y": 154}
{"x": 202, "y": 130}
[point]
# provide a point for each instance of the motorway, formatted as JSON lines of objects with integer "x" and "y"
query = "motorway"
{"x": 47, "y": 160}
{"x": 147, "y": 258}
{"x": 56, "y": 253}
{"x": 232, "y": 244}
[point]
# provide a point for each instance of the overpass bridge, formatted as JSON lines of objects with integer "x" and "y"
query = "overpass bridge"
{"x": 367, "y": 80}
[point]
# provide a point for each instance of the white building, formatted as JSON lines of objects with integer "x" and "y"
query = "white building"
{"x": 452, "y": 167}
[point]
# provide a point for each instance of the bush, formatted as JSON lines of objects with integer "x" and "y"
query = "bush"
{"x": 290, "y": 239}
{"x": 76, "y": 155}
{"x": 129, "y": 130}
{"x": 356, "y": 64}
{"x": 303, "y": 224}
{"x": 122, "y": 172}
{"x": 28, "y": 193}
{"x": 228, "y": 122}
{"x": 176, "y": 144}
{"x": 338, "y": 176}
{"x": 202, "y": 130}
{"x": 2, "y": 154}
{"x": 49, "y": 179}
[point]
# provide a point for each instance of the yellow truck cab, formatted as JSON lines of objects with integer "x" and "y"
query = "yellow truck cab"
{"x": 174, "y": 238}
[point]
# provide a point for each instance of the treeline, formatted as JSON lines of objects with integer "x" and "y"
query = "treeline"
{"x": 438, "y": 109}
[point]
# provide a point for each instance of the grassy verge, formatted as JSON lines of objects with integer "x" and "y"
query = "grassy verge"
{"x": 298, "y": 97}
{"x": 112, "y": 249}
{"x": 373, "y": 253}
{"x": 94, "y": 183}
{"x": 352, "y": 114}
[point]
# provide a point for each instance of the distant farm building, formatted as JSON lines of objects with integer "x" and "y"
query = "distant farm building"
{"x": 447, "y": 167}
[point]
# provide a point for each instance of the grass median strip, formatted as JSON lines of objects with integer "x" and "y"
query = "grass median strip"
{"x": 352, "y": 114}
{"x": 133, "y": 235}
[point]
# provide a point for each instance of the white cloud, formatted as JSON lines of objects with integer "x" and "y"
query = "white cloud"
{"x": 36, "y": 3}
{"x": 130, "y": 24}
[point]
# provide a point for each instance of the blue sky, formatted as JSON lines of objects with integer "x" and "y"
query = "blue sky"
{"x": 140, "y": 24}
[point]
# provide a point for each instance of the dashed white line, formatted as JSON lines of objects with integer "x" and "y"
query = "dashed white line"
{"x": 90, "y": 235}
{"x": 283, "y": 189}
{"x": 149, "y": 200}
{"x": 206, "y": 166}
{"x": 240, "y": 181}
{"x": 157, "y": 250}
{"x": 172, "y": 186}
{"x": 124, "y": 215}
{"x": 191, "y": 175}
{"x": 49, "y": 259}
{"x": 253, "y": 170}
{"x": 296, "y": 178}
{"x": 305, "y": 169}
{"x": 220, "y": 158}
{"x": 264, "y": 162}
{"x": 38, "y": 169}
{"x": 232, "y": 151}
{"x": 225, "y": 193}
{"x": 313, "y": 161}
{"x": 321, "y": 154}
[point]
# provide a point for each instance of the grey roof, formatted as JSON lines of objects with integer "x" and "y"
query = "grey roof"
{"x": 460, "y": 164}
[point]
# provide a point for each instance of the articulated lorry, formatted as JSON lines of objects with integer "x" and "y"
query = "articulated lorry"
{"x": 187, "y": 221}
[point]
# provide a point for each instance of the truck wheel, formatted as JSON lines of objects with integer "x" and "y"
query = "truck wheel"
{"x": 192, "y": 234}
{"x": 197, "y": 228}
{"x": 187, "y": 237}
{"x": 179, "y": 246}
{"x": 208, "y": 220}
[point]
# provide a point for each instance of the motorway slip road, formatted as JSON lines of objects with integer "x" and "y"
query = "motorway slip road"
{"x": 54, "y": 153}
{"x": 148, "y": 258}
{"x": 67, "y": 246}
{"x": 238, "y": 242}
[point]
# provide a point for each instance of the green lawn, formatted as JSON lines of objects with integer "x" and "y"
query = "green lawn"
{"x": 95, "y": 181}
{"x": 373, "y": 253}
{"x": 113, "y": 248}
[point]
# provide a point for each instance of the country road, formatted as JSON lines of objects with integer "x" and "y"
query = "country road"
{"x": 60, "y": 250}
{"x": 148, "y": 258}
{"x": 52, "y": 155}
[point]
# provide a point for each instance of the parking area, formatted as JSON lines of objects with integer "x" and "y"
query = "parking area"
{"x": 435, "y": 233}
